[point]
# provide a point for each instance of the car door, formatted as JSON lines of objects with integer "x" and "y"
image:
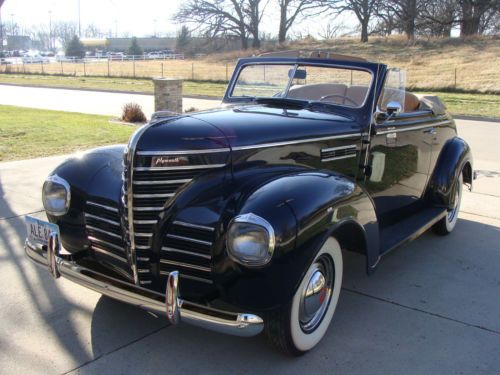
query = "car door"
{"x": 400, "y": 156}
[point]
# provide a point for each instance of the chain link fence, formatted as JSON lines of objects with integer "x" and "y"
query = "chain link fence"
{"x": 464, "y": 77}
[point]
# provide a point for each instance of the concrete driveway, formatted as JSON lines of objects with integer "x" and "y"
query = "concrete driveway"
{"x": 84, "y": 101}
{"x": 432, "y": 307}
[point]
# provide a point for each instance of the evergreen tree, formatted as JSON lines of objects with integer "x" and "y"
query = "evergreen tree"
{"x": 183, "y": 39}
{"x": 134, "y": 48}
{"x": 75, "y": 48}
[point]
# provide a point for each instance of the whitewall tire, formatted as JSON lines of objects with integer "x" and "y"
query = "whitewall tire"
{"x": 447, "y": 224}
{"x": 300, "y": 326}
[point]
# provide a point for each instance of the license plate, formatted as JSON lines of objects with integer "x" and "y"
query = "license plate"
{"x": 39, "y": 230}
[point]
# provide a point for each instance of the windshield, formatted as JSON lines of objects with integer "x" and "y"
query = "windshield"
{"x": 329, "y": 85}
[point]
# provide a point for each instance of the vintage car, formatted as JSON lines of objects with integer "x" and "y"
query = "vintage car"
{"x": 234, "y": 219}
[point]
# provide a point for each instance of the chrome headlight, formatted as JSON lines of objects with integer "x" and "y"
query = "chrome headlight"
{"x": 250, "y": 240}
{"x": 56, "y": 195}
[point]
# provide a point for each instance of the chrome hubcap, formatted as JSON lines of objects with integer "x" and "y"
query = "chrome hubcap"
{"x": 317, "y": 294}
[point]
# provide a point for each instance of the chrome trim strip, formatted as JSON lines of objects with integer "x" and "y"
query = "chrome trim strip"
{"x": 340, "y": 157}
{"x": 185, "y": 265}
{"x": 195, "y": 226}
{"x": 165, "y": 273}
{"x": 145, "y": 221}
{"x": 143, "y": 270}
{"x": 99, "y": 241}
{"x": 180, "y": 167}
{"x": 175, "y": 236}
{"x": 339, "y": 148}
{"x": 148, "y": 208}
{"x": 183, "y": 152}
{"x": 143, "y": 259}
{"x": 239, "y": 324}
{"x": 174, "y": 250}
{"x": 139, "y": 234}
{"x": 112, "y": 209}
{"x": 102, "y": 219}
{"x": 142, "y": 247}
{"x": 276, "y": 144}
{"x": 164, "y": 195}
{"x": 395, "y": 127}
{"x": 103, "y": 231}
{"x": 162, "y": 182}
{"x": 108, "y": 253}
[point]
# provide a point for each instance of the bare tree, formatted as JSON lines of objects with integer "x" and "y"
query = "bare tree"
{"x": 64, "y": 32}
{"x": 93, "y": 31}
{"x": 225, "y": 18}
{"x": 292, "y": 11}
{"x": 403, "y": 12}
{"x": 363, "y": 9}
{"x": 331, "y": 30}
{"x": 473, "y": 12}
{"x": 437, "y": 17}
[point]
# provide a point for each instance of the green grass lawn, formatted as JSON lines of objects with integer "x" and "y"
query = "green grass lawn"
{"x": 27, "y": 133}
{"x": 457, "y": 103}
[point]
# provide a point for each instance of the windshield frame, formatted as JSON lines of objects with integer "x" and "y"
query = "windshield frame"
{"x": 294, "y": 64}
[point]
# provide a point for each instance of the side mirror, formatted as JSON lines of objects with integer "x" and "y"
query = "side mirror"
{"x": 393, "y": 108}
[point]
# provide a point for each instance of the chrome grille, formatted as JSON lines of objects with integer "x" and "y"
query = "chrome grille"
{"x": 336, "y": 153}
{"x": 102, "y": 224}
{"x": 187, "y": 248}
{"x": 152, "y": 185}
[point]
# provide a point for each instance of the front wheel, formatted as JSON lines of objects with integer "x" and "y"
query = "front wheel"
{"x": 447, "y": 224}
{"x": 300, "y": 325}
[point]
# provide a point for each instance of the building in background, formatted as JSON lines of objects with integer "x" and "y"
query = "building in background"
{"x": 18, "y": 42}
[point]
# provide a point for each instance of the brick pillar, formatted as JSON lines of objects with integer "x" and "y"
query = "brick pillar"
{"x": 168, "y": 94}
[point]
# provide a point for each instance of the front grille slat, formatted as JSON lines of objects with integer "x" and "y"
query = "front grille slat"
{"x": 187, "y": 246}
{"x": 104, "y": 232}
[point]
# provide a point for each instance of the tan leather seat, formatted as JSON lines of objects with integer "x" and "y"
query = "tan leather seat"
{"x": 355, "y": 95}
{"x": 411, "y": 101}
{"x": 318, "y": 91}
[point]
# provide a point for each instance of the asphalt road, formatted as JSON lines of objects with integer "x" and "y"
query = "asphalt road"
{"x": 433, "y": 306}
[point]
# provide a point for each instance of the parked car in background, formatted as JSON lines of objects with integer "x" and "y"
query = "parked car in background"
{"x": 115, "y": 55}
{"x": 234, "y": 219}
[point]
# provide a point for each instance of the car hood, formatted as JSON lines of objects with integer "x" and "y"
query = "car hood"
{"x": 254, "y": 125}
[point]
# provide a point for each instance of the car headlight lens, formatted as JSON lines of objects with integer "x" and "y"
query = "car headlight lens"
{"x": 56, "y": 195}
{"x": 250, "y": 240}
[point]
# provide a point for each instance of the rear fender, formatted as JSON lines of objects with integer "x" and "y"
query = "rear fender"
{"x": 455, "y": 158}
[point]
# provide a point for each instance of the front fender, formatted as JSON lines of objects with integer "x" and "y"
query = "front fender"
{"x": 304, "y": 208}
{"x": 454, "y": 158}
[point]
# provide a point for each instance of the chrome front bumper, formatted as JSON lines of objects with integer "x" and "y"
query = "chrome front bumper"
{"x": 169, "y": 304}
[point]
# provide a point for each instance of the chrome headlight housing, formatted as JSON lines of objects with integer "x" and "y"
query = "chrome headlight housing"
{"x": 250, "y": 240}
{"x": 56, "y": 195}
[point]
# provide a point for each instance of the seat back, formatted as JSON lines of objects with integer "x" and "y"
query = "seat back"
{"x": 356, "y": 94}
{"x": 318, "y": 91}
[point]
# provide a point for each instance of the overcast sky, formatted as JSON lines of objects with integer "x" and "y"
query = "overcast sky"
{"x": 132, "y": 17}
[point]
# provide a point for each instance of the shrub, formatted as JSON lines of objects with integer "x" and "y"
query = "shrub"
{"x": 191, "y": 109}
{"x": 132, "y": 112}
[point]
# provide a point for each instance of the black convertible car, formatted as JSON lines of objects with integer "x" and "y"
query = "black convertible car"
{"x": 234, "y": 219}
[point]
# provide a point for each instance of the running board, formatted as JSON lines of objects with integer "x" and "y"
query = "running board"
{"x": 409, "y": 228}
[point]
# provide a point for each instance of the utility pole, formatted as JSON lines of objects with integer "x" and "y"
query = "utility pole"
{"x": 154, "y": 31}
{"x": 79, "y": 21}
{"x": 50, "y": 30}
{"x": 1, "y": 30}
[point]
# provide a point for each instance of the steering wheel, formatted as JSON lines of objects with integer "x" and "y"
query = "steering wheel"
{"x": 344, "y": 98}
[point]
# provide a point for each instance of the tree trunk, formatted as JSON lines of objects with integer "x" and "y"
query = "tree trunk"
{"x": 244, "y": 41}
{"x": 364, "y": 31}
{"x": 470, "y": 20}
{"x": 411, "y": 14}
{"x": 256, "y": 42}
{"x": 282, "y": 29}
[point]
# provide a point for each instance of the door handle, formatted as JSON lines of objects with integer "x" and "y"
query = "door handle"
{"x": 431, "y": 131}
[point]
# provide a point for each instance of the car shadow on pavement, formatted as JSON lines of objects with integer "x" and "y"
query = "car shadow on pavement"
{"x": 40, "y": 303}
{"x": 366, "y": 316}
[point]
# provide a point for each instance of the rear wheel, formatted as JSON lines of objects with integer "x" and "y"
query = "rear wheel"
{"x": 300, "y": 325}
{"x": 447, "y": 224}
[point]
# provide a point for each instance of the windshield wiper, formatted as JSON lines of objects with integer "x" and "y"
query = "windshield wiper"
{"x": 290, "y": 103}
